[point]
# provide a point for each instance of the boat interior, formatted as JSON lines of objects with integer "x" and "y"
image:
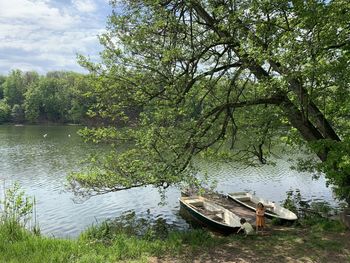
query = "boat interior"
{"x": 252, "y": 201}
{"x": 214, "y": 211}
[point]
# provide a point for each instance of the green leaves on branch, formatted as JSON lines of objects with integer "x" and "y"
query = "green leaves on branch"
{"x": 337, "y": 167}
{"x": 56, "y": 97}
{"x": 17, "y": 213}
{"x": 226, "y": 79}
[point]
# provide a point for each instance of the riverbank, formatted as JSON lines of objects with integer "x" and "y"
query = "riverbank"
{"x": 41, "y": 164}
{"x": 278, "y": 245}
{"x": 322, "y": 242}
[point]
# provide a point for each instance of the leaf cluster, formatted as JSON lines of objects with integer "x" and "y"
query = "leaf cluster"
{"x": 220, "y": 78}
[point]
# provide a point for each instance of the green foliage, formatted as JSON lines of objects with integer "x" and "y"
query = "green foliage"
{"x": 57, "y": 97}
{"x": 31, "y": 105}
{"x": 127, "y": 224}
{"x": 131, "y": 236}
{"x": 220, "y": 79}
{"x": 16, "y": 206}
{"x": 80, "y": 103}
{"x": 316, "y": 215}
{"x": 17, "y": 214}
{"x": 293, "y": 202}
{"x": 17, "y": 113}
{"x": 2, "y": 80}
{"x": 177, "y": 246}
{"x": 323, "y": 224}
{"x": 16, "y": 84}
{"x": 336, "y": 168}
{"x": 14, "y": 88}
{"x": 49, "y": 95}
{"x": 5, "y": 111}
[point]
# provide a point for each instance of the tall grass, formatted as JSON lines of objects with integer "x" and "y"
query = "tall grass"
{"x": 17, "y": 212}
{"x": 318, "y": 216}
{"x": 87, "y": 248}
{"x": 128, "y": 239}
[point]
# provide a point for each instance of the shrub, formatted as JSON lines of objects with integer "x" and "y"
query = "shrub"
{"x": 316, "y": 215}
{"x": 17, "y": 210}
{"x": 5, "y": 111}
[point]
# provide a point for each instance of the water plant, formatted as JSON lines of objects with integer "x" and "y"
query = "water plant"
{"x": 17, "y": 211}
{"x": 317, "y": 214}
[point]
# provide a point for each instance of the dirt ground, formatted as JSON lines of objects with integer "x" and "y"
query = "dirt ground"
{"x": 277, "y": 245}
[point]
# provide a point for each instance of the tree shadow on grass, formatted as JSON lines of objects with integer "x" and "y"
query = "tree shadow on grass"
{"x": 281, "y": 245}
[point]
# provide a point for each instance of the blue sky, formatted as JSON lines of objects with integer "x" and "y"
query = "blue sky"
{"x": 46, "y": 35}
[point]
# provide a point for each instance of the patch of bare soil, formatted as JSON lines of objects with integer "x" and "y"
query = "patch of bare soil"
{"x": 274, "y": 246}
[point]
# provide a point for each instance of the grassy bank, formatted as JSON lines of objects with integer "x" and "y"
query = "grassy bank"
{"x": 325, "y": 242}
{"x": 129, "y": 238}
{"x": 19, "y": 245}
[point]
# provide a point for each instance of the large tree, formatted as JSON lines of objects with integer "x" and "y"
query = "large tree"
{"x": 16, "y": 85}
{"x": 57, "y": 97}
{"x": 226, "y": 78}
{"x": 2, "y": 80}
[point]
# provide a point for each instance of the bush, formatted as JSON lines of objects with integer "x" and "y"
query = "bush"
{"x": 5, "y": 111}
{"x": 316, "y": 215}
{"x": 17, "y": 210}
{"x": 127, "y": 224}
{"x": 17, "y": 113}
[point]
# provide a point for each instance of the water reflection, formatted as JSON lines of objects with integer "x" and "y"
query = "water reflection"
{"x": 40, "y": 164}
{"x": 270, "y": 181}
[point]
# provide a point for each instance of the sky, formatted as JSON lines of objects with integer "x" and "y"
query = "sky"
{"x": 46, "y": 35}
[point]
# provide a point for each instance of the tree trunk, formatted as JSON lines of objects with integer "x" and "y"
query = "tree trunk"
{"x": 309, "y": 131}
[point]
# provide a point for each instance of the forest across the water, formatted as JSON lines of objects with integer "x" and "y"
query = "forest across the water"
{"x": 56, "y": 97}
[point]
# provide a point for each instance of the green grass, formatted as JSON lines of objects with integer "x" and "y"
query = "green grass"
{"x": 22, "y": 246}
{"x": 132, "y": 239}
{"x": 109, "y": 242}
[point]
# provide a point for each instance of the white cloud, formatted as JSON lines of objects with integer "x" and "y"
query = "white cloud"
{"x": 44, "y": 41}
{"x": 84, "y": 5}
{"x": 24, "y": 66}
{"x": 37, "y": 12}
{"x": 45, "y": 35}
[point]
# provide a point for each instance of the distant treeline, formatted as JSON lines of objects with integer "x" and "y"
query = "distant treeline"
{"x": 58, "y": 96}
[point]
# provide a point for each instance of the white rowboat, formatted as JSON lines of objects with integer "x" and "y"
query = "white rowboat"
{"x": 273, "y": 210}
{"x": 211, "y": 214}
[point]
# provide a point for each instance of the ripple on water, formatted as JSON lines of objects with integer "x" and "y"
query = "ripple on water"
{"x": 41, "y": 165}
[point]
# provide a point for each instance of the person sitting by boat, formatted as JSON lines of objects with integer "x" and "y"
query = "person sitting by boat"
{"x": 248, "y": 229}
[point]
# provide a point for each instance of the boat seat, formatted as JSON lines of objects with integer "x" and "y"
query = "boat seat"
{"x": 214, "y": 212}
{"x": 243, "y": 198}
{"x": 197, "y": 203}
{"x": 216, "y": 218}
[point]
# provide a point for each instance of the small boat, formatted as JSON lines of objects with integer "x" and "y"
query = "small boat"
{"x": 210, "y": 214}
{"x": 273, "y": 210}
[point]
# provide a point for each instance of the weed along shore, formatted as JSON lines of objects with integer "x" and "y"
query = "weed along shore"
{"x": 129, "y": 238}
{"x": 321, "y": 242}
{"x": 244, "y": 103}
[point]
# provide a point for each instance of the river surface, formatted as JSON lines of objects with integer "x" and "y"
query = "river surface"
{"x": 40, "y": 157}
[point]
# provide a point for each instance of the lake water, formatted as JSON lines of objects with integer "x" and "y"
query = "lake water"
{"x": 40, "y": 157}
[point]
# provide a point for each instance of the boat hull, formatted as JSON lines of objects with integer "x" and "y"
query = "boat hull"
{"x": 208, "y": 222}
{"x": 279, "y": 212}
